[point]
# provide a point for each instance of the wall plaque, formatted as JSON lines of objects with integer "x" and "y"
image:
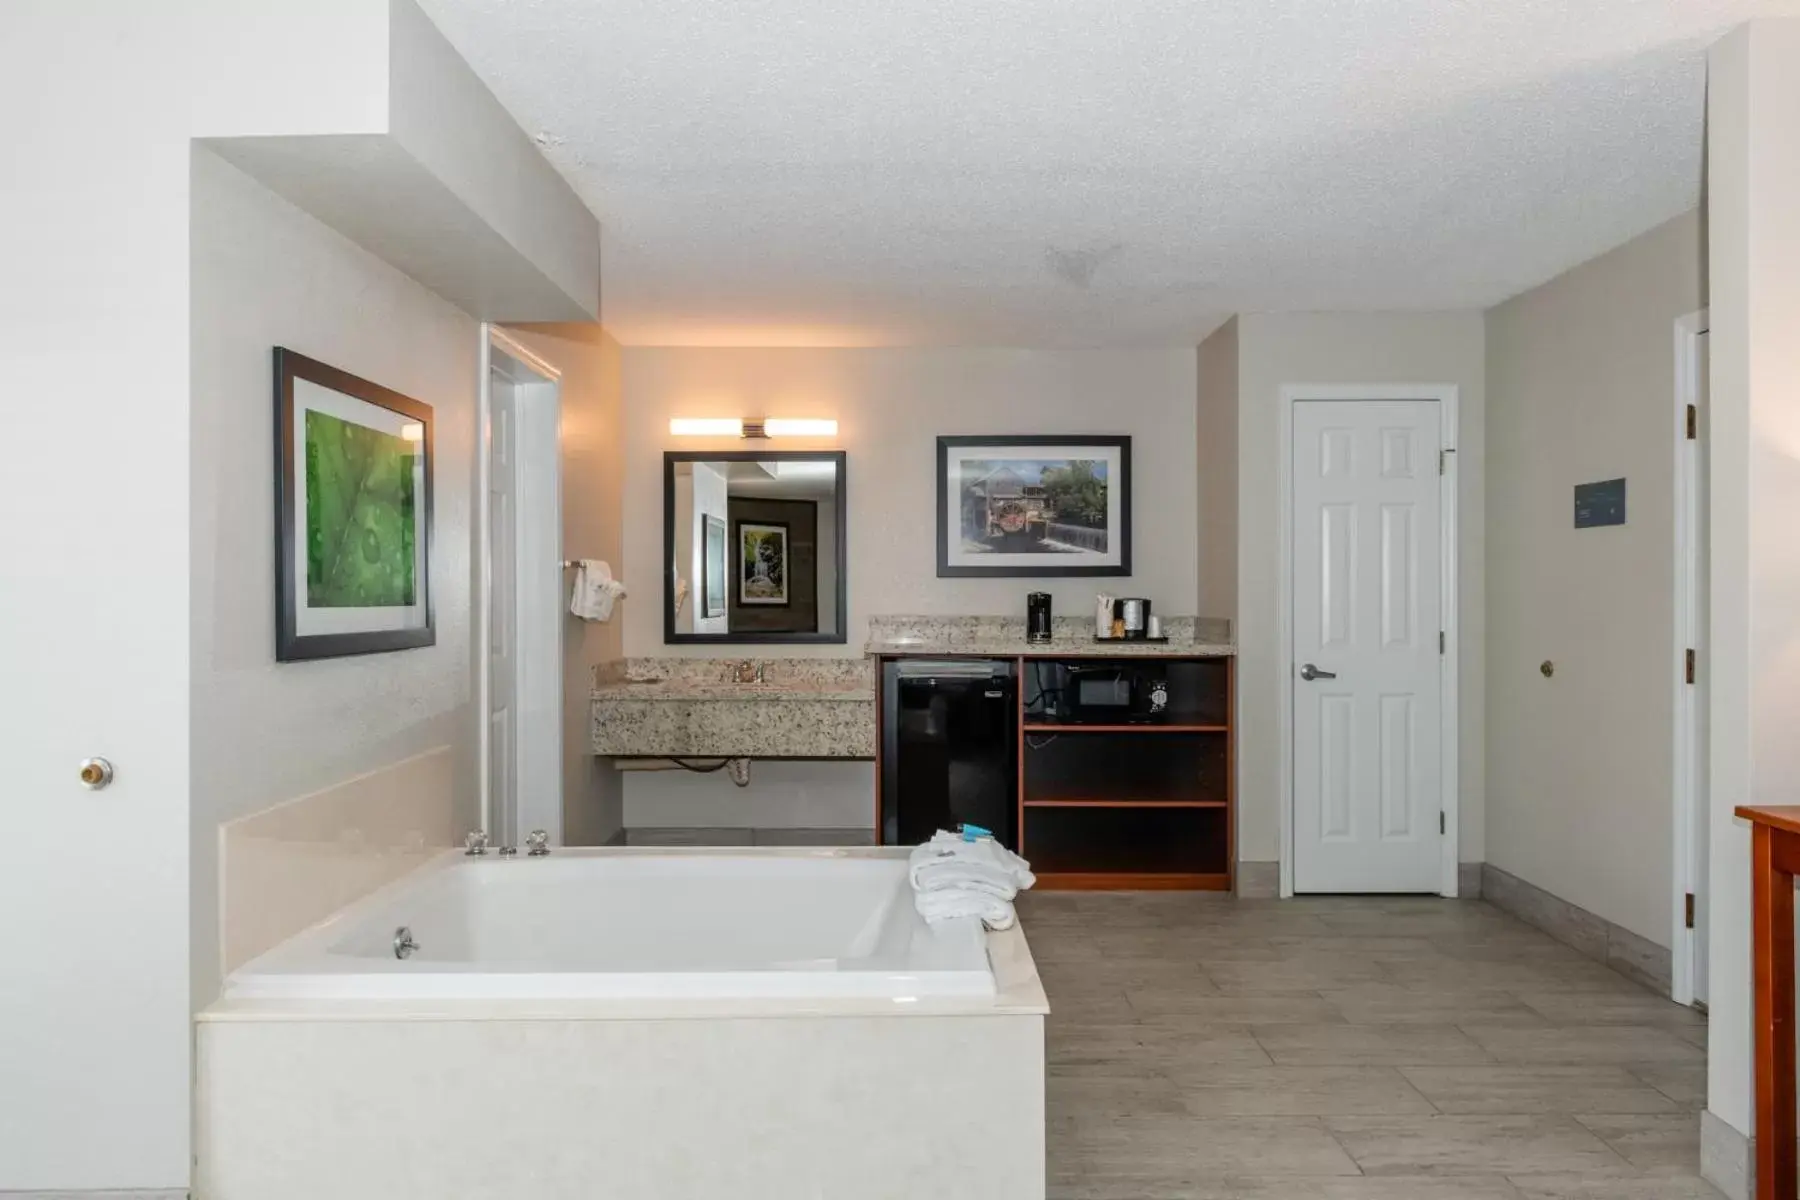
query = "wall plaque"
{"x": 1601, "y": 503}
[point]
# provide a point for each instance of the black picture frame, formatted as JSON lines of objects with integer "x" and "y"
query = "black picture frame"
{"x": 711, "y": 572}
{"x": 737, "y": 557}
{"x": 1112, "y": 442}
{"x": 290, "y": 644}
{"x": 758, "y": 637}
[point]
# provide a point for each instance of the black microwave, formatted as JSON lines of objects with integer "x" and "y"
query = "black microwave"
{"x": 1104, "y": 694}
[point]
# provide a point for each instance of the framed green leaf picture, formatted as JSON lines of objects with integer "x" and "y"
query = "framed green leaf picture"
{"x": 353, "y": 510}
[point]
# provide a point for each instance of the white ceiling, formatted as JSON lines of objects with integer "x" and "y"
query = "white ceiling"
{"x": 1080, "y": 172}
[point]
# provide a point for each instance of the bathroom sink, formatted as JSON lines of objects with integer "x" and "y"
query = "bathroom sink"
{"x": 697, "y": 708}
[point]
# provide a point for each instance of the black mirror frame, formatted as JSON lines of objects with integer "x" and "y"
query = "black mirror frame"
{"x": 670, "y": 637}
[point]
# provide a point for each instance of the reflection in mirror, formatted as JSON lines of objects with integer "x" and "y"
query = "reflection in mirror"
{"x": 754, "y": 546}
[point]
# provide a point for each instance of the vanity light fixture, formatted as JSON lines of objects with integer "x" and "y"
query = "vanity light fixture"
{"x": 770, "y": 427}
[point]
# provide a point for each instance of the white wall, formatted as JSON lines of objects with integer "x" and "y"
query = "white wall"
{"x": 267, "y": 274}
{"x": 891, "y": 405}
{"x": 1581, "y": 386}
{"x": 593, "y": 484}
{"x": 1753, "y": 254}
{"x": 1216, "y": 454}
{"x": 1345, "y": 348}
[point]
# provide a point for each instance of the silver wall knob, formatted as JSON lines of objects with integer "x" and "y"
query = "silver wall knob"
{"x": 96, "y": 773}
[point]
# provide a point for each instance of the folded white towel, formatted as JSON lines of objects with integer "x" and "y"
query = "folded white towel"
{"x": 956, "y": 878}
{"x": 994, "y": 912}
{"x": 949, "y": 861}
{"x": 966, "y": 877}
{"x": 595, "y": 590}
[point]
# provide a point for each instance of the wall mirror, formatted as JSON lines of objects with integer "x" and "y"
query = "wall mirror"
{"x": 753, "y": 546}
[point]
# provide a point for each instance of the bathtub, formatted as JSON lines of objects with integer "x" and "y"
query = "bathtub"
{"x": 641, "y": 925}
{"x": 635, "y": 1023}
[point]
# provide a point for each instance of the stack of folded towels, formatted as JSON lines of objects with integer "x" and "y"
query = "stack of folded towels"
{"x": 968, "y": 875}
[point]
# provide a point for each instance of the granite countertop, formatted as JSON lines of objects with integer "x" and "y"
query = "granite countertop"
{"x": 1071, "y": 637}
{"x": 703, "y": 679}
{"x": 694, "y": 708}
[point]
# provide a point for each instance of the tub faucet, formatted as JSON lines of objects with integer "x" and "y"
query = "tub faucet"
{"x": 537, "y": 843}
{"x": 749, "y": 671}
{"x": 475, "y": 842}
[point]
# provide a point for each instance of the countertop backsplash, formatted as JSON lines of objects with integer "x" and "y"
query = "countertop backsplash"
{"x": 1006, "y": 635}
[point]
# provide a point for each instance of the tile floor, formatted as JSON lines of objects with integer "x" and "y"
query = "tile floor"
{"x": 1352, "y": 1049}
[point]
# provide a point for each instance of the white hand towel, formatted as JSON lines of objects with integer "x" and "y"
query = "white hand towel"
{"x": 949, "y": 857}
{"x": 994, "y": 912}
{"x": 595, "y": 590}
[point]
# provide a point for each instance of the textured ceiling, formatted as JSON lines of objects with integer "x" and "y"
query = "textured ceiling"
{"x": 1081, "y": 172}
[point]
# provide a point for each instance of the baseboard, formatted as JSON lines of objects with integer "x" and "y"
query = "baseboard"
{"x": 1726, "y": 1158}
{"x": 1258, "y": 880}
{"x": 1637, "y": 958}
{"x": 1262, "y": 881}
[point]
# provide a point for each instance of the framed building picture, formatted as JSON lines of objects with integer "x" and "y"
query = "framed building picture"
{"x": 714, "y": 576}
{"x": 1038, "y": 506}
{"x": 762, "y": 563}
{"x": 353, "y": 514}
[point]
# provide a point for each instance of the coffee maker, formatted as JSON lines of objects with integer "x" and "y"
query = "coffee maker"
{"x": 1037, "y": 617}
{"x": 1133, "y": 613}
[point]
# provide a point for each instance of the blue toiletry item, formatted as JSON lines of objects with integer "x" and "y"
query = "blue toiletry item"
{"x": 972, "y": 832}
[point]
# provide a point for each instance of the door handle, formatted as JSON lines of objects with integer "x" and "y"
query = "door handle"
{"x": 1310, "y": 673}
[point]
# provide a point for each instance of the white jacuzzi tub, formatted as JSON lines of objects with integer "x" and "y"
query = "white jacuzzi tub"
{"x": 634, "y": 925}
{"x": 670, "y": 1024}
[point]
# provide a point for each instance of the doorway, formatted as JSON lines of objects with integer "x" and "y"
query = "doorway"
{"x": 1368, "y": 608}
{"x": 1691, "y": 736}
{"x": 520, "y": 618}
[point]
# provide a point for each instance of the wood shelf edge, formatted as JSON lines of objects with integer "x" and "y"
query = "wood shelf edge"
{"x": 1145, "y": 728}
{"x": 1102, "y": 802}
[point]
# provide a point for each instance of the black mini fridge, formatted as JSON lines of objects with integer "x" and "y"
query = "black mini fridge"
{"x": 950, "y": 745}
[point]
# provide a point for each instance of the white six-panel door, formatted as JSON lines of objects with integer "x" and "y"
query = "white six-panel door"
{"x": 1365, "y": 653}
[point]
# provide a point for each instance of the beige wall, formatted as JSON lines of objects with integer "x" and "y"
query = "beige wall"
{"x": 267, "y": 274}
{"x": 1581, "y": 387}
{"x": 1753, "y": 259}
{"x": 1343, "y": 348}
{"x": 593, "y": 489}
{"x": 1216, "y": 457}
{"x": 891, "y": 405}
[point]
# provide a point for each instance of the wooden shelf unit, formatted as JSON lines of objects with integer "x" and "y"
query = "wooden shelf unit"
{"x": 1146, "y": 806}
